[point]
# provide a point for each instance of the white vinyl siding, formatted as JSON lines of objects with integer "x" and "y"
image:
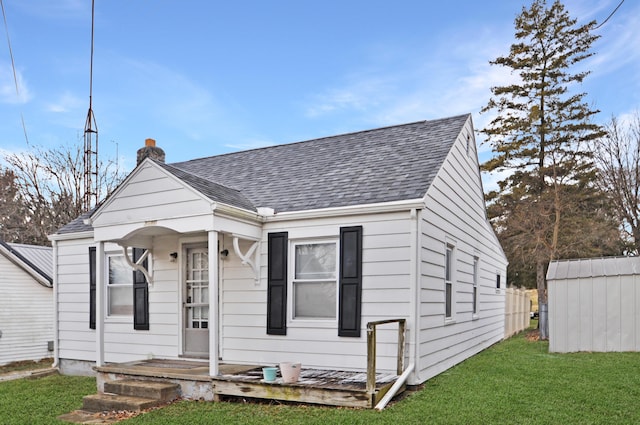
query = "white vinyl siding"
{"x": 151, "y": 194}
{"x": 386, "y": 294}
{"x": 455, "y": 211}
{"x": 122, "y": 342}
{"x": 26, "y": 315}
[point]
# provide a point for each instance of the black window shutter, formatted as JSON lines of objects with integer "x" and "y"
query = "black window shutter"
{"x": 350, "y": 285}
{"x": 277, "y": 283}
{"x": 92, "y": 287}
{"x": 140, "y": 295}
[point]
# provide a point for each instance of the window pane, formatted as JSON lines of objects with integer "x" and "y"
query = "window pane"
{"x": 475, "y": 300}
{"x": 315, "y": 299}
{"x": 119, "y": 289}
{"x": 448, "y": 300}
{"x": 120, "y": 300}
{"x": 447, "y": 265}
{"x": 119, "y": 271}
{"x": 315, "y": 261}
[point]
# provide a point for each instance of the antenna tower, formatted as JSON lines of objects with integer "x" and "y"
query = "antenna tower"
{"x": 90, "y": 140}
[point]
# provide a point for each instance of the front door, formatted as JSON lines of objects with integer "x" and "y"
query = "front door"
{"x": 196, "y": 302}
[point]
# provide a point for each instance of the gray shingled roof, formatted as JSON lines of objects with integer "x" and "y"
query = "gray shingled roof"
{"x": 381, "y": 165}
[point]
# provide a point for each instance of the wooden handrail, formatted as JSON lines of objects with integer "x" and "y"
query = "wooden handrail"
{"x": 371, "y": 350}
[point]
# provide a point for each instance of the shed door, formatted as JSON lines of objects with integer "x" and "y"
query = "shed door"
{"x": 196, "y": 303}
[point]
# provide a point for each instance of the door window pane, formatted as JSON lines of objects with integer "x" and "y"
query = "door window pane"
{"x": 196, "y": 305}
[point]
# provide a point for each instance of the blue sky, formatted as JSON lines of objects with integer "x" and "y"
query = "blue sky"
{"x": 208, "y": 77}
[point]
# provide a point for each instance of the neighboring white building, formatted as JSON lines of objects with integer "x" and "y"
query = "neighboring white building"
{"x": 285, "y": 253}
{"x": 26, "y": 302}
{"x": 594, "y": 304}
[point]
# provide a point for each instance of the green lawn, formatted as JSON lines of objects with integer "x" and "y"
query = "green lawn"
{"x": 514, "y": 382}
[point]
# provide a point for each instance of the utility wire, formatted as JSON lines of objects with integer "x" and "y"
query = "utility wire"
{"x": 13, "y": 67}
{"x": 610, "y": 15}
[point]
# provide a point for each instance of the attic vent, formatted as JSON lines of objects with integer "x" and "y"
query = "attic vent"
{"x": 150, "y": 150}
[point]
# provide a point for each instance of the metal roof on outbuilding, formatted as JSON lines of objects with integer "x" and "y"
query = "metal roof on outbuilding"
{"x": 593, "y": 267}
{"x": 39, "y": 259}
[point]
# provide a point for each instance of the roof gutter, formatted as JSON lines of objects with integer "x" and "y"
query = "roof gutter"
{"x": 377, "y": 208}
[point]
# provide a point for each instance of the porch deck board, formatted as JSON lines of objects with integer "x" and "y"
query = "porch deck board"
{"x": 316, "y": 386}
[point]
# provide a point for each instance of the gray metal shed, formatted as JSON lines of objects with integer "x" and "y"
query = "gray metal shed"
{"x": 594, "y": 304}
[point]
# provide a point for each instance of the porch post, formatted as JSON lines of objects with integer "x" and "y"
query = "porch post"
{"x": 100, "y": 273}
{"x": 213, "y": 303}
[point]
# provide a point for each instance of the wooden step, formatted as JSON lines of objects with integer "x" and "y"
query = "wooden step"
{"x": 109, "y": 402}
{"x": 163, "y": 391}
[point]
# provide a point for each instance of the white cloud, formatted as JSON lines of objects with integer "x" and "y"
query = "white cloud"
{"x": 8, "y": 92}
{"x": 361, "y": 93}
{"x": 65, "y": 103}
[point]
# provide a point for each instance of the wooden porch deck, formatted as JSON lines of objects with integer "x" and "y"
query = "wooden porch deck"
{"x": 316, "y": 386}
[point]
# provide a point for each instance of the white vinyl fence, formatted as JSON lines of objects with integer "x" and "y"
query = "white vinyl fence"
{"x": 517, "y": 311}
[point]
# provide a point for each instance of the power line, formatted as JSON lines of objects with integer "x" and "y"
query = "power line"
{"x": 610, "y": 15}
{"x": 13, "y": 67}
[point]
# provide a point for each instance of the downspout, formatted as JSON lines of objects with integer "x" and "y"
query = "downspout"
{"x": 56, "y": 339}
{"x": 415, "y": 260}
{"x": 415, "y": 332}
{"x": 395, "y": 387}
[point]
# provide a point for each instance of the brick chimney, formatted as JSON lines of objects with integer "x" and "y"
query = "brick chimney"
{"x": 150, "y": 150}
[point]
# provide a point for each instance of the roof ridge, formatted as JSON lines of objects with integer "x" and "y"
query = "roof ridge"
{"x": 349, "y": 133}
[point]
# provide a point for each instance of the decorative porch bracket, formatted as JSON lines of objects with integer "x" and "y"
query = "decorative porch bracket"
{"x": 250, "y": 258}
{"x": 137, "y": 266}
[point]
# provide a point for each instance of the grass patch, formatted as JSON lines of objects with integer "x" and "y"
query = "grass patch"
{"x": 41, "y": 401}
{"x": 515, "y": 381}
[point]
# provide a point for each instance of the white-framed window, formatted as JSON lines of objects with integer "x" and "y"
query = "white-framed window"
{"x": 119, "y": 286}
{"x": 448, "y": 282}
{"x": 315, "y": 280}
{"x": 476, "y": 267}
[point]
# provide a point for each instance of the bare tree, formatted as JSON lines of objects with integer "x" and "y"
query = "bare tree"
{"x": 617, "y": 157}
{"x": 50, "y": 185}
{"x": 12, "y": 207}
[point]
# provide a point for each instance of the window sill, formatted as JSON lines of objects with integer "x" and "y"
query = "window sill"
{"x": 313, "y": 323}
{"x": 475, "y": 317}
{"x": 449, "y": 321}
{"x": 118, "y": 319}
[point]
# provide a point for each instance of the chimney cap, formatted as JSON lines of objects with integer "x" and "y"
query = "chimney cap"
{"x": 150, "y": 142}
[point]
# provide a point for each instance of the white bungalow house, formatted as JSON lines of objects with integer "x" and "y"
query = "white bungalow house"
{"x": 26, "y": 302}
{"x": 286, "y": 253}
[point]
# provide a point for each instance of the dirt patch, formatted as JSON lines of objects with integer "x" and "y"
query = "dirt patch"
{"x": 533, "y": 335}
{"x": 26, "y": 365}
